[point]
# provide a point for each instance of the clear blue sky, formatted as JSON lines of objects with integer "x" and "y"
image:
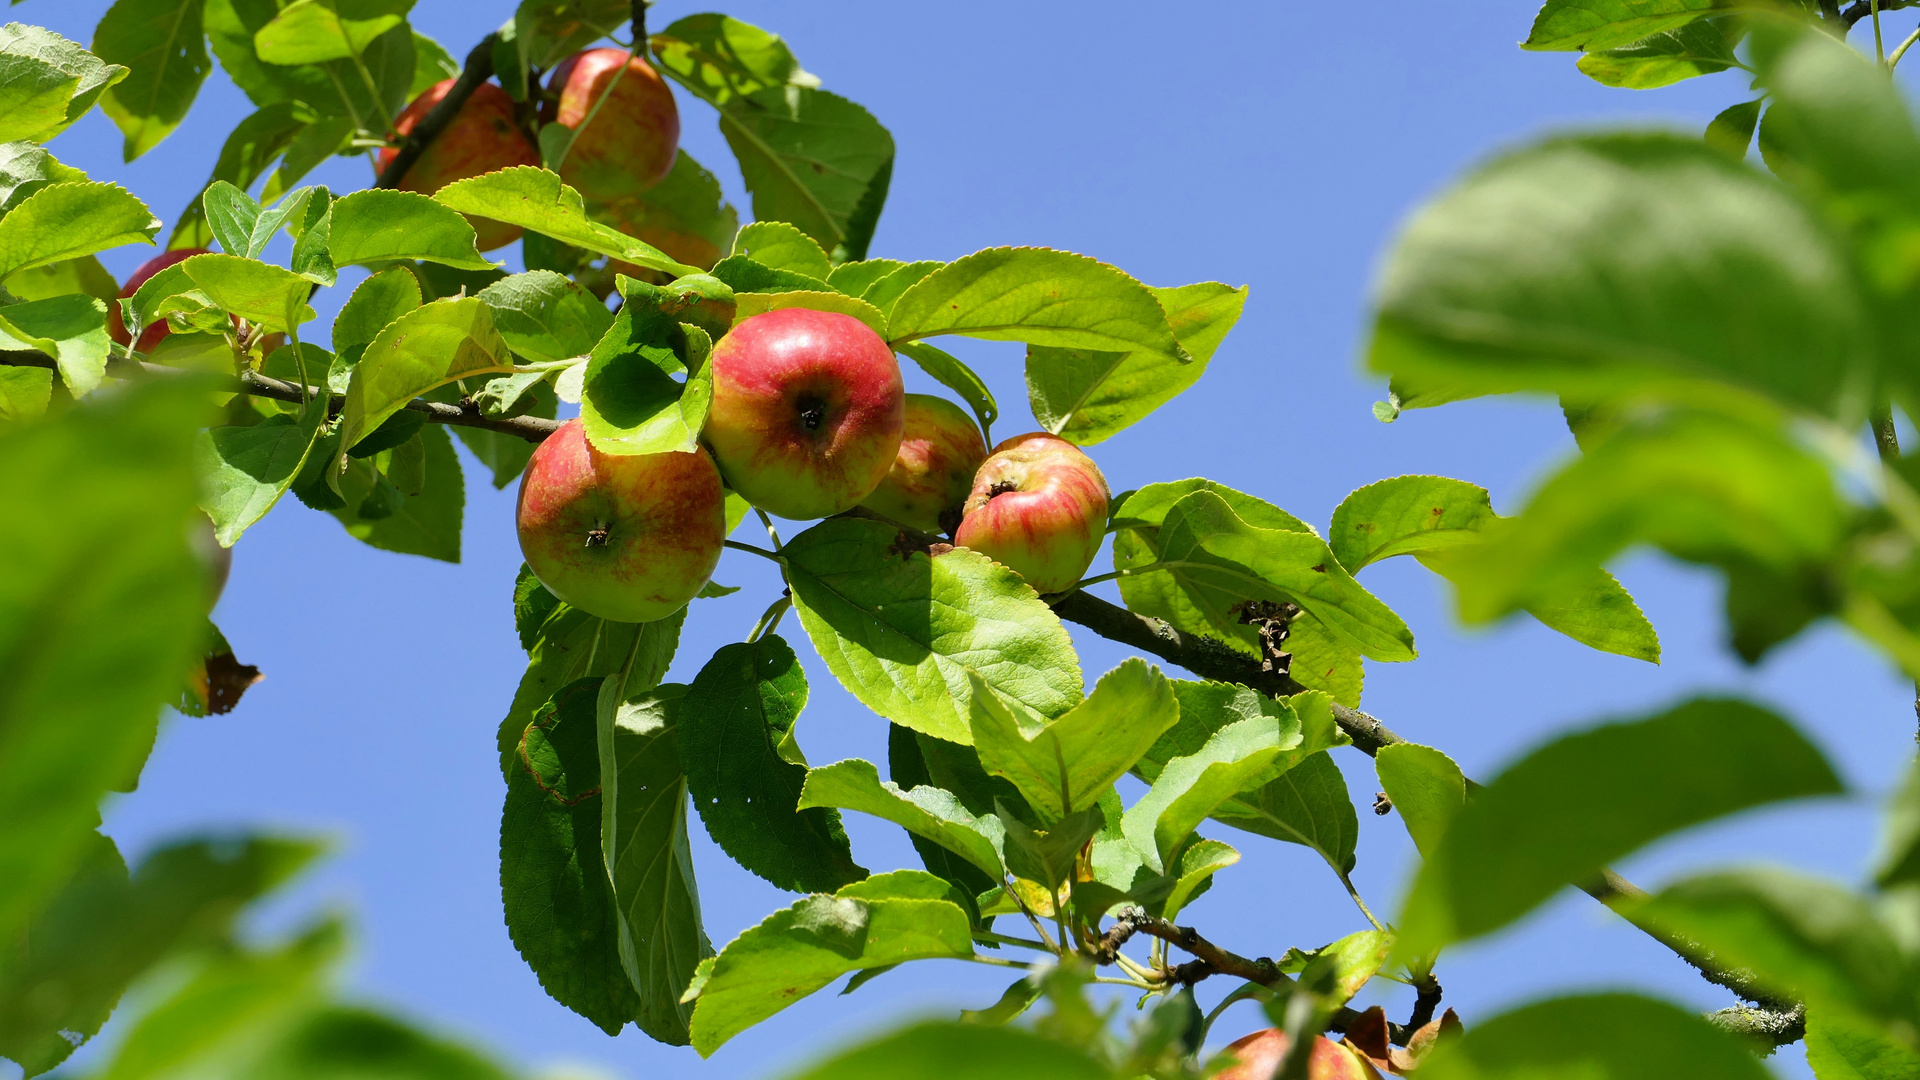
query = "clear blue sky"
{"x": 1247, "y": 142}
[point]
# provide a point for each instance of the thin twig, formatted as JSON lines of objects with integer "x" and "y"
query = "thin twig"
{"x": 477, "y": 69}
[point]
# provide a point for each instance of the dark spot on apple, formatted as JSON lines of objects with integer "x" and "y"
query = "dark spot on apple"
{"x": 813, "y": 414}
{"x": 598, "y": 535}
{"x": 1001, "y": 487}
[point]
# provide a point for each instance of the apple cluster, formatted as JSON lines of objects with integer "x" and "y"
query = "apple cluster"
{"x": 809, "y": 419}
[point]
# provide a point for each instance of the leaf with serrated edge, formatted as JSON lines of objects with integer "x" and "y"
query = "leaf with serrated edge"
{"x": 1064, "y": 764}
{"x": 1243, "y": 755}
{"x": 749, "y": 304}
{"x": 1428, "y": 790}
{"x": 535, "y": 199}
{"x": 67, "y": 220}
{"x": 925, "y": 811}
{"x": 783, "y": 247}
{"x": 377, "y": 226}
{"x": 427, "y": 347}
{"x": 903, "y": 632}
{"x": 245, "y": 470}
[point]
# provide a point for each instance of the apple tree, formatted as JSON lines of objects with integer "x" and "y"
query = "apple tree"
{"x": 1720, "y": 333}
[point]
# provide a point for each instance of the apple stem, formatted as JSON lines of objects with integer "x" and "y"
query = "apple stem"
{"x": 772, "y": 533}
{"x": 762, "y": 552}
{"x": 1130, "y": 572}
{"x": 771, "y": 620}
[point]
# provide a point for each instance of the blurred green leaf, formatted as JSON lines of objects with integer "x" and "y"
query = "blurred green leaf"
{"x": 104, "y": 929}
{"x": 377, "y": 226}
{"x": 333, "y": 88}
{"x": 161, "y": 44}
{"x": 1594, "y": 1037}
{"x": 313, "y": 31}
{"x": 1064, "y": 763}
{"x": 740, "y": 708}
{"x": 1604, "y": 265}
{"x": 1089, "y": 397}
{"x": 547, "y": 31}
{"x": 1570, "y": 807}
{"x": 655, "y": 898}
{"x": 25, "y": 392}
{"x": 101, "y": 612}
{"x": 534, "y": 198}
{"x": 1731, "y": 130}
{"x": 943, "y": 1050}
{"x": 1842, "y": 1048}
{"x": 886, "y": 919}
{"x": 1426, "y": 787}
{"x": 67, "y": 220}
{"x": 47, "y": 82}
{"x": 925, "y": 811}
{"x": 904, "y": 632}
{"x": 1038, "y": 296}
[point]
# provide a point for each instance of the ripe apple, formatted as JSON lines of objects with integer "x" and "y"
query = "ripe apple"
{"x": 626, "y": 538}
{"x": 940, "y": 450}
{"x": 117, "y": 328}
{"x": 629, "y": 144}
{"x": 1038, "y": 506}
{"x": 807, "y": 411}
{"x": 1259, "y": 1054}
{"x": 483, "y": 137}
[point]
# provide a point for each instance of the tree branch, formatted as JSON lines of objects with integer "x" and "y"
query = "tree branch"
{"x": 1210, "y": 659}
{"x": 477, "y": 69}
{"x": 466, "y": 414}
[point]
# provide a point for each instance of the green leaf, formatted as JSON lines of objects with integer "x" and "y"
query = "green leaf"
{"x": 685, "y": 214}
{"x": 1583, "y": 800}
{"x": 1800, "y": 937}
{"x": 376, "y": 226}
{"x": 425, "y": 348}
{"x": 547, "y": 31}
{"x": 809, "y": 157}
{"x": 67, "y": 220}
{"x": 854, "y": 278}
{"x": 1354, "y": 960}
{"x": 507, "y": 455}
{"x": 925, "y": 811}
{"x": 256, "y": 291}
{"x": 949, "y": 372}
{"x": 83, "y": 276}
{"x": 1594, "y": 1037}
{"x": 102, "y": 610}
{"x": 1147, "y": 507}
{"x": 1609, "y": 264}
{"x": 1041, "y": 297}
{"x": 720, "y": 58}
{"x": 1089, "y": 396}
{"x": 72, "y": 329}
{"x": 629, "y": 404}
{"x": 559, "y": 905}
{"x": 1223, "y": 554}
{"x": 427, "y": 523}
{"x": 25, "y": 392}
{"x": 1067, "y": 762}
{"x": 1309, "y": 806}
{"x": 1698, "y": 48}
{"x": 375, "y": 303}
{"x": 1841, "y": 1048}
{"x": 104, "y": 929}
{"x": 162, "y": 46}
{"x": 905, "y": 633}
{"x": 912, "y": 766}
{"x": 1705, "y": 488}
{"x": 749, "y": 304}
{"x": 1426, "y": 787}
{"x": 652, "y": 867}
{"x": 1239, "y": 757}
{"x": 888, "y": 919}
{"x": 47, "y": 82}
{"x": 743, "y": 275}
{"x": 1594, "y": 25}
{"x": 887, "y": 291}
{"x": 535, "y": 199}
{"x": 740, "y": 708}
{"x": 312, "y": 32}
{"x": 337, "y": 1040}
{"x": 1731, "y": 130}
{"x": 545, "y": 317}
{"x": 1431, "y": 516}
{"x": 249, "y": 151}
{"x": 245, "y": 470}
{"x": 432, "y": 63}
{"x": 783, "y": 247}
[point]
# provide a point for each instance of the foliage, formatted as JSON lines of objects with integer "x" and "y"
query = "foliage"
{"x": 1716, "y": 332}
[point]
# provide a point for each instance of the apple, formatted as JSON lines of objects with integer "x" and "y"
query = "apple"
{"x": 117, "y": 328}
{"x": 1258, "y": 1055}
{"x": 483, "y": 137}
{"x": 807, "y": 411}
{"x": 940, "y": 450}
{"x": 1038, "y": 506}
{"x": 629, "y": 538}
{"x": 628, "y": 145}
